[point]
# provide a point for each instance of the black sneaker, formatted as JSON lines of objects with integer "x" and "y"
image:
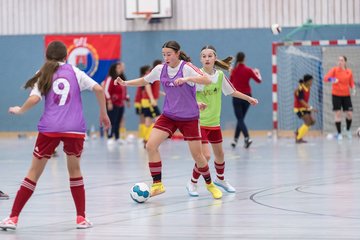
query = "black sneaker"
{"x": 233, "y": 144}
{"x": 247, "y": 142}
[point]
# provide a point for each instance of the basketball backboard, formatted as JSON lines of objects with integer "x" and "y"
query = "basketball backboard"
{"x": 135, "y": 9}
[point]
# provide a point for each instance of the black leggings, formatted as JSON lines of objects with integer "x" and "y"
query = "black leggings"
{"x": 115, "y": 116}
{"x": 240, "y": 108}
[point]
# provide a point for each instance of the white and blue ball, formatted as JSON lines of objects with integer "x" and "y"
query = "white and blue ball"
{"x": 140, "y": 192}
{"x": 275, "y": 29}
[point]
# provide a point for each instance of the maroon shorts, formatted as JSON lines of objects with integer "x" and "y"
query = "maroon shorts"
{"x": 212, "y": 135}
{"x": 189, "y": 129}
{"x": 46, "y": 145}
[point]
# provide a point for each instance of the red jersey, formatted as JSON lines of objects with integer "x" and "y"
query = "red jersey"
{"x": 301, "y": 93}
{"x": 240, "y": 78}
{"x": 138, "y": 95}
{"x": 155, "y": 88}
{"x": 116, "y": 93}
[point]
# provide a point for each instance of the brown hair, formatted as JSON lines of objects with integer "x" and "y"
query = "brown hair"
{"x": 176, "y": 47}
{"x": 55, "y": 52}
{"x": 222, "y": 64}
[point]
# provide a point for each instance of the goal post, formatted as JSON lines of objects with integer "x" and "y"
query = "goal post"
{"x": 290, "y": 61}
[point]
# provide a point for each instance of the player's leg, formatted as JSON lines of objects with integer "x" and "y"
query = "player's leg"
{"x": 73, "y": 148}
{"x": 348, "y": 109}
{"x": 303, "y": 130}
{"x": 192, "y": 184}
{"x": 191, "y": 133}
{"x": 203, "y": 167}
{"x": 43, "y": 150}
{"x": 162, "y": 130}
{"x": 336, "y": 100}
{"x": 219, "y": 164}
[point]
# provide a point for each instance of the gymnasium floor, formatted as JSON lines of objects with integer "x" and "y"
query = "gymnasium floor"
{"x": 284, "y": 191}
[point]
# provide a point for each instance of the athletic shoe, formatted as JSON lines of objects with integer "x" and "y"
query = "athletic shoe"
{"x": 192, "y": 189}
{"x": 216, "y": 193}
{"x": 247, "y": 142}
{"x": 300, "y": 141}
{"x": 156, "y": 189}
{"x": 9, "y": 223}
{"x": 339, "y": 136}
{"x": 225, "y": 185}
{"x": 348, "y": 134}
{"x": 83, "y": 223}
{"x": 233, "y": 144}
{"x": 3, "y": 196}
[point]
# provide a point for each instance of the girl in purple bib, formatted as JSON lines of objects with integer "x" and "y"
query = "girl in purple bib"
{"x": 178, "y": 78}
{"x": 62, "y": 120}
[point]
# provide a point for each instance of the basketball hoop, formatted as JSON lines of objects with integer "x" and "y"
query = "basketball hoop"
{"x": 147, "y": 15}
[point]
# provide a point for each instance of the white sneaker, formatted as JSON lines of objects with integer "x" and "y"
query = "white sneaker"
{"x": 9, "y": 223}
{"x": 339, "y": 136}
{"x": 110, "y": 141}
{"x": 348, "y": 134}
{"x": 192, "y": 189}
{"x": 225, "y": 185}
{"x": 83, "y": 223}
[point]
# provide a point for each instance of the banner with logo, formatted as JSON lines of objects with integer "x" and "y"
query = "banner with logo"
{"x": 92, "y": 54}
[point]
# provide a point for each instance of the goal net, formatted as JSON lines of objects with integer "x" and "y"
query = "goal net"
{"x": 291, "y": 60}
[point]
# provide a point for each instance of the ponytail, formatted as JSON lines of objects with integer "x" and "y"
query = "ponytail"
{"x": 224, "y": 64}
{"x": 184, "y": 57}
{"x": 43, "y": 77}
{"x": 56, "y": 52}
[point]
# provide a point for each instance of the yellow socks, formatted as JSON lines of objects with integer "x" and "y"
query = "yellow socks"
{"x": 302, "y": 131}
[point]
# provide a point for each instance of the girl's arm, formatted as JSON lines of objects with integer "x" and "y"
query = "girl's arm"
{"x": 148, "y": 91}
{"x": 135, "y": 82}
{"x": 251, "y": 100}
{"x": 100, "y": 96}
{"x": 198, "y": 79}
{"x": 29, "y": 103}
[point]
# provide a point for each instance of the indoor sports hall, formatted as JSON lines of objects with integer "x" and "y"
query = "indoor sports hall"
{"x": 293, "y": 179}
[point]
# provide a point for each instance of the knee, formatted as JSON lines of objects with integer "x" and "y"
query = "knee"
{"x": 150, "y": 147}
{"x": 207, "y": 157}
{"x": 199, "y": 156}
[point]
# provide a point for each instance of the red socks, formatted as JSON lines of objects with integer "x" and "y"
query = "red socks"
{"x": 78, "y": 193}
{"x": 23, "y": 195}
{"x": 155, "y": 170}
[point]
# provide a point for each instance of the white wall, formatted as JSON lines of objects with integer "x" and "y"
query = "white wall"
{"x": 88, "y": 16}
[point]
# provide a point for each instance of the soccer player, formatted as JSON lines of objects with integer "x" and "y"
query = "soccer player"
{"x": 210, "y": 116}
{"x": 240, "y": 78}
{"x": 342, "y": 81}
{"x": 302, "y": 107}
{"x": 62, "y": 120}
{"x": 181, "y": 111}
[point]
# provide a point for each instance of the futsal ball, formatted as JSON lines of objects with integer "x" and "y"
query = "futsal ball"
{"x": 140, "y": 192}
{"x": 275, "y": 29}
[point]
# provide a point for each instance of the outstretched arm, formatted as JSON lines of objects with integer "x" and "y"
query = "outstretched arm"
{"x": 251, "y": 100}
{"x": 198, "y": 79}
{"x": 100, "y": 96}
{"x": 135, "y": 82}
{"x": 29, "y": 103}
